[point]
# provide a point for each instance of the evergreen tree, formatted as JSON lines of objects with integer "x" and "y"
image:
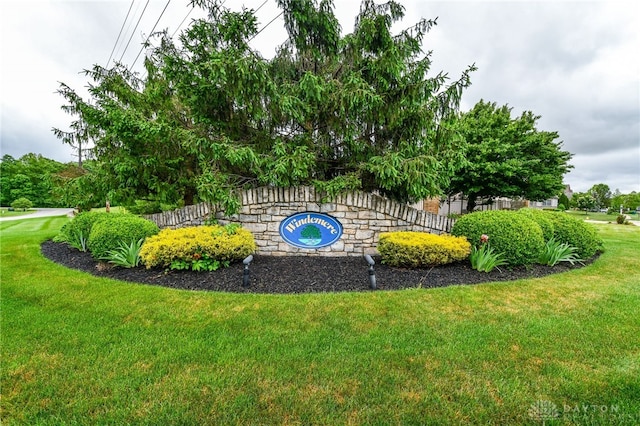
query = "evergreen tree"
{"x": 354, "y": 111}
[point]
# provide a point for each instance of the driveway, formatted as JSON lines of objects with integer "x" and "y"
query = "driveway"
{"x": 40, "y": 213}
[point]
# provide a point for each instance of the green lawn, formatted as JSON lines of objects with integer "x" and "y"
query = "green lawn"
{"x": 76, "y": 349}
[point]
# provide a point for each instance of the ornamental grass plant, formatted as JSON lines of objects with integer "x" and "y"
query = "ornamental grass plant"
{"x": 484, "y": 258}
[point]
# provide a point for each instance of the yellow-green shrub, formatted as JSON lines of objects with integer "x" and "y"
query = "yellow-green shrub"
{"x": 418, "y": 249}
{"x": 188, "y": 245}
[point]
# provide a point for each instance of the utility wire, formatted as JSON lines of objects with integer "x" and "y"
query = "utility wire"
{"x": 134, "y": 30}
{"x": 120, "y": 33}
{"x": 149, "y": 36}
{"x": 260, "y": 7}
{"x": 185, "y": 18}
{"x": 262, "y": 29}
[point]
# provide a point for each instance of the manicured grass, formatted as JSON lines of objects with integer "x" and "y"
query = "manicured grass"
{"x": 83, "y": 350}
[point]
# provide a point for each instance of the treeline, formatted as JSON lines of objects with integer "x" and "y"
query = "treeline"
{"x": 33, "y": 177}
{"x": 600, "y": 197}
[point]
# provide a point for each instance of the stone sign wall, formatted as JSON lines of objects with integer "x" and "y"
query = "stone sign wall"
{"x": 363, "y": 217}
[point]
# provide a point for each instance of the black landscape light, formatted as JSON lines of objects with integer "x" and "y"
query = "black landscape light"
{"x": 245, "y": 274}
{"x": 372, "y": 273}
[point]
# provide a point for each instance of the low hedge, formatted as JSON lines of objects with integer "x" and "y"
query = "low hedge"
{"x": 517, "y": 237}
{"x": 187, "y": 245}
{"x": 541, "y": 218}
{"x": 419, "y": 249}
{"x": 109, "y": 234}
{"x": 577, "y": 233}
{"x": 81, "y": 225}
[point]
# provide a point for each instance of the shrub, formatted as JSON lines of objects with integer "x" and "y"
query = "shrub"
{"x": 77, "y": 230}
{"x": 513, "y": 234}
{"x": 418, "y": 249}
{"x": 197, "y": 248}
{"x": 541, "y": 218}
{"x": 108, "y": 235}
{"x": 22, "y": 203}
{"x": 621, "y": 219}
{"x": 577, "y": 233}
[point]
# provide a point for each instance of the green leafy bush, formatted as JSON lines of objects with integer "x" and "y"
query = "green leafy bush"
{"x": 77, "y": 230}
{"x": 108, "y": 235}
{"x": 515, "y": 235}
{"x": 197, "y": 248}
{"x": 621, "y": 219}
{"x": 22, "y": 203}
{"x": 576, "y": 233}
{"x": 542, "y": 219}
{"x": 418, "y": 249}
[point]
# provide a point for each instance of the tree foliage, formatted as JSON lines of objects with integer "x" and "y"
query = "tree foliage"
{"x": 601, "y": 193}
{"x": 563, "y": 200}
{"x": 508, "y": 157}
{"x": 354, "y": 111}
{"x": 31, "y": 177}
{"x": 585, "y": 202}
{"x": 22, "y": 203}
{"x": 629, "y": 201}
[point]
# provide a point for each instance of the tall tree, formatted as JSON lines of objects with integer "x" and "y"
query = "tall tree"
{"x": 585, "y": 202}
{"x": 601, "y": 193}
{"x": 357, "y": 111}
{"x": 508, "y": 157}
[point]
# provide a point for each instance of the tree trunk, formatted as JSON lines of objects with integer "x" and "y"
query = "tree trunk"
{"x": 189, "y": 196}
{"x": 471, "y": 203}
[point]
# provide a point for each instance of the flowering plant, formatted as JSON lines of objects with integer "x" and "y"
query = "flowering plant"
{"x": 483, "y": 258}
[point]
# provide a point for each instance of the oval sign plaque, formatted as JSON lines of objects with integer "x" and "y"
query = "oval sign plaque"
{"x": 310, "y": 230}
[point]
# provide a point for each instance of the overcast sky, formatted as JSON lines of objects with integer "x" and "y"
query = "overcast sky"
{"x": 576, "y": 64}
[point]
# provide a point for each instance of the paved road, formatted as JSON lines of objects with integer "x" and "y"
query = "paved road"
{"x": 40, "y": 213}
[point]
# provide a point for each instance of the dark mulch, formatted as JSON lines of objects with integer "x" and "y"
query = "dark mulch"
{"x": 297, "y": 274}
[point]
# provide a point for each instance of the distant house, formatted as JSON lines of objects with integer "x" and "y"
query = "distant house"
{"x": 457, "y": 204}
{"x": 551, "y": 203}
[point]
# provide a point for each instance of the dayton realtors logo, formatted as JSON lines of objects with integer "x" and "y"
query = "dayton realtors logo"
{"x": 310, "y": 230}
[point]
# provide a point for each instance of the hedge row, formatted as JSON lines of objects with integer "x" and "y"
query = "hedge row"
{"x": 521, "y": 235}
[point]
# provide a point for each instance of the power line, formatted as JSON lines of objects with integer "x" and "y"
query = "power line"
{"x": 129, "y": 25}
{"x": 262, "y": 29}
{"x": 260, "y": 7}
{"x": 134, "y": 30}
{"x": 149, "y": 36}
{"x": 184, "y": 19}
{"x": 120, "y": 33}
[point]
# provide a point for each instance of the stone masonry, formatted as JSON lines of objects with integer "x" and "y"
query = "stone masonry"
{"x": 363, "y": 217}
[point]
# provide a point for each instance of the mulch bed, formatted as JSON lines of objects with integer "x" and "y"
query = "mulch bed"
{"x": 297, "y": 274}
